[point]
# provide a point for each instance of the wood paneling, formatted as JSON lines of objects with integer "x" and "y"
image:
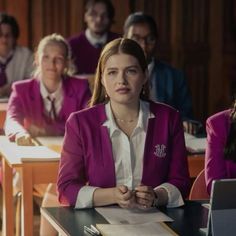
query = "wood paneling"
{"x": 198, "y": 36}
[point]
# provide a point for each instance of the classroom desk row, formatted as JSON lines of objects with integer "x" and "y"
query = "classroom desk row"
{"x": 69, "y": 222}
{"x": 39, "y": 172}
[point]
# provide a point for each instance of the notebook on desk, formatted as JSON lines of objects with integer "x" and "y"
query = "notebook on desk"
{"x": 36, "y": 153}
{"x": 195, "y": 144}
{"x": 222, "y": 212}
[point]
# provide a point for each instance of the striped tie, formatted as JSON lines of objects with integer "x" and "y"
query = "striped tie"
{"x": 52, "y": 111}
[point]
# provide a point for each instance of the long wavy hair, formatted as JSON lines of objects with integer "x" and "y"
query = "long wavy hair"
{"x": 230, "y": 148}
{"x": 121, "y": 45}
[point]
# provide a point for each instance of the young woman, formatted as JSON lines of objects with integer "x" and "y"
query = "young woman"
{"x": 220, "y": 157}
{"x": 41, "y": 105}
{"x": 125, "y": 149}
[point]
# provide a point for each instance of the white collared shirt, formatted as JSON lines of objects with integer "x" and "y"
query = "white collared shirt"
{"x": 57, "y": 95}
{"x": 94, "y": 41}
{"x": 128, "y": 159}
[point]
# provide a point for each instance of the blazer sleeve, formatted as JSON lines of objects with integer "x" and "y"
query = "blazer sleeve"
{"x": 178, "y": 172}
{"x": 71, "y": 176}
{"x": 14, "y": 123}
{"x": 215, "y": 165}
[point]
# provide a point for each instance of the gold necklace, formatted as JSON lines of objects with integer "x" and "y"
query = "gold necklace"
{"x": 125, "y": 121}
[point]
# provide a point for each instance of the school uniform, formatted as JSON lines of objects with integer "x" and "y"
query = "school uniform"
{"x": 86, "y": 52}
{"x": 26, "y": 106}
{"x": 216, "y": 167}
{"x": 169, "y": 86}
{"x": 87, "y": 154}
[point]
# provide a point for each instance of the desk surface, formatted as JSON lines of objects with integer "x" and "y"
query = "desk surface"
{"x": 187, "y": 219}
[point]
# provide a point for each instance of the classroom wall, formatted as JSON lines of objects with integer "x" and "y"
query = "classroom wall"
{"x": 197, "y": 36}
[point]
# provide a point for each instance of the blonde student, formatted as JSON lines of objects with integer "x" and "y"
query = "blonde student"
{"x": 41, "y": 105}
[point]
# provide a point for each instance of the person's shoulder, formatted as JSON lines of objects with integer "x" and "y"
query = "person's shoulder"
{"x": 219, "y": 117}
{"x": 87, "y": 115}
{"x": 162, "y": 65}
{"x": 77, "y": 38}
{"x": 23, "y": 50}
{"x": 23, "y": 85}
{"x": 162, "y": 108}
{"x": 113, "y": 35}
{"x": 76, "y": 81}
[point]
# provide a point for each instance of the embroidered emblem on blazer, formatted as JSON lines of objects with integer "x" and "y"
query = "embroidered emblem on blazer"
{"x": 160, "y": 150}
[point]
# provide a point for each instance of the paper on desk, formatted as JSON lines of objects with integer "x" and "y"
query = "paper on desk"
{"x": 117, "y": 215}
{"x": 36, "y": 153}
{"x": 50, "y": 140}
{"x": 4, "y": 99}
{"x": 194, "y": 144}
{"x": 149, "y": 229}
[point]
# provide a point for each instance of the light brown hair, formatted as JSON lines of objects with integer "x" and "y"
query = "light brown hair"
{"x": 121, "y": 45}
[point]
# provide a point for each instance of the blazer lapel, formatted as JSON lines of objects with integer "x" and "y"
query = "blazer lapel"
{"x": 37, "y": 102}
{"x": 69, "y": 101}
{"x": 107, "y": 156}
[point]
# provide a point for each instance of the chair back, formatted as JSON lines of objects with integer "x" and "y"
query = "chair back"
{"x": 199, "y": 190}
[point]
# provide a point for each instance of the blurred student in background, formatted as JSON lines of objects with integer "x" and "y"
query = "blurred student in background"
{"x": 87, "y": 46}
{"x": 167, "y": 84}
{"x": 41, "y": 105}
{"x": 16, "y": 62}
{"x": 220, "y": 162}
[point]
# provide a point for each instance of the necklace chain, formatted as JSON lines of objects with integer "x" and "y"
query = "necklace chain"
{"x": 125, "y": 121}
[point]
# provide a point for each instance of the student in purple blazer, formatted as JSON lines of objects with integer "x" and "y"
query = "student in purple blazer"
{"x": 220, "y": 162}
{"x": 124, "y": 149}
{"x": 87, "y": 46}
{"x": 41, "y": 105}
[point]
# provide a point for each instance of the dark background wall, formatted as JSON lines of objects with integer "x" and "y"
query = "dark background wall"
{"x": 197, "y": 36}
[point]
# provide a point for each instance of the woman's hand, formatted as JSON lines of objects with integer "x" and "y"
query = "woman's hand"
{"x": 145, "y": 196}
{"x": 24, "y": 140}
{"x": 124, "y": 197}
{"x": 36, "y": 131}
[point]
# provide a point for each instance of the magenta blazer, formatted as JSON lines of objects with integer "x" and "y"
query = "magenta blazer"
{"x": 216, "y": 167}
{"x": 25, "y": 106}
{"x": 87, "y": 152}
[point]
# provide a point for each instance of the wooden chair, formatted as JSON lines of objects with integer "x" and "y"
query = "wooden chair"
{"x": 199, "y": 190}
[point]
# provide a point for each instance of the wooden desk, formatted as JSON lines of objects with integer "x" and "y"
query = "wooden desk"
{"x": 3, "y": 109}
{"x": 39, "y": 173}
{"x": 31, "y": 173}
{"x": 67, "y": 221}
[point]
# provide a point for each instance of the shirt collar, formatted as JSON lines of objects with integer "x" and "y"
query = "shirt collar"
{"x": 94, "y": 41}
{"x": 4, "y": 59}
{"x": 44, "y": 93}
{"x": 144, "y": 115}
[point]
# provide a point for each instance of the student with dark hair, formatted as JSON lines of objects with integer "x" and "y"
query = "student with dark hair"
{"x": 16, "y": 62}
{"x": 87, "y": 46}
{"x": 220, "y": 159}
{"x": 167, "y": 84}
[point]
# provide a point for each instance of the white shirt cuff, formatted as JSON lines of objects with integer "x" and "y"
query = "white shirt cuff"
{"x": 174, "y": 196}
{"x": 85, "y": 197}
